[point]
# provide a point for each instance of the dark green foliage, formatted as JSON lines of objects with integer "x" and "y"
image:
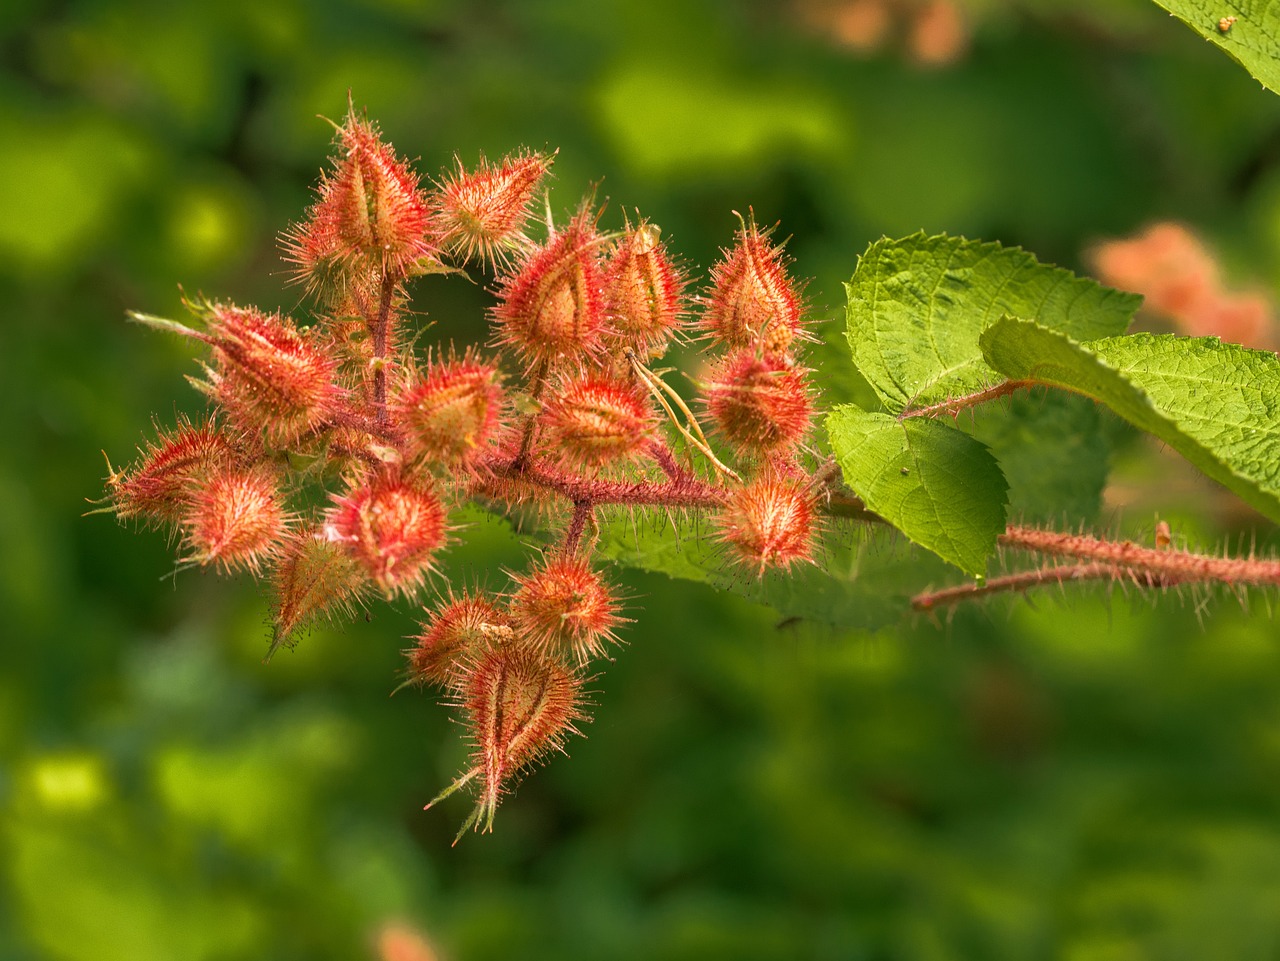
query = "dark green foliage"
{"x": 1088, "y": 779}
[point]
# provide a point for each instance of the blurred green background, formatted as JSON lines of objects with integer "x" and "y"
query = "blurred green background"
{"x": 1096, "y": 778}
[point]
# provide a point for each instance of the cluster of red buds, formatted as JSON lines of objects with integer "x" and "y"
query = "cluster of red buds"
{"x": 335, "y": 451}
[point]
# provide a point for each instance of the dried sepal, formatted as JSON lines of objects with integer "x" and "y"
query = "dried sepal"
{"x": 483, "y": 212}
{"x": 449, "y": 412}
{"x": 770, "y": 522}
{"x": 592, "y": 421}
{"x": 236, "y": 519}
{"x": 159, "y": 486}
{"x": 643, "y": 292}
{"x": 393, "y": 527}
{"x": 456, "y": 631}
{"x": 315, "y": 578}
{"x": 565, "y": 608}
{"x": 551, "y": 307}
{"x": 752, "y": 301}
{"x": 370, "y": 215}
{"x": 759, "y": 402}
{"x": 519, "y": 704}
{"x": 272, "y": 379}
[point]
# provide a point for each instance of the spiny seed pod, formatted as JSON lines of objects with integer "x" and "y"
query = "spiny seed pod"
{"x": 270, "y": 377}
{"x": 752, "y": 301}
{"x": 769, "y": 522}
{"x": 519, "y": 705}
{"x": 592, "y": 421}
{"x": 643, "y": 292}
{"x": 459, "y": 629}
{"x": 159, "y": 487}
{"x": 551, "y": 308}
{"x": 564, "y": 607}
{"x": 315, "y": 578}
{"x": 370, "y": 214}
{"x": 236, "y": 520}
{"x": 759, "y": 402}
{"x": 450, "y": 412}
{"x": 392, "y": 527}
{"x": 483, "y": 212}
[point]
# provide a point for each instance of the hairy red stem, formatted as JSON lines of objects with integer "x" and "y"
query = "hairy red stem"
{"x": 538, "y": 383}
{"x": 1174, "y": 564}
{"x": 582, "y": 511}
{"x": 1074, "y": 573}
{"x": 663, "y": 457}
{"x": 381, "y": 330}
{"x": 686, "y": 492}
{"x": 953, "y": 405}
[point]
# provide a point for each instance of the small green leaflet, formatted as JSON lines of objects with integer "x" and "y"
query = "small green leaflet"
{"x": 917, "y": 306}
{"x": 1252, "y": 34}
{"x": 1216, "y": 404}
{"x": 939, "y": 486}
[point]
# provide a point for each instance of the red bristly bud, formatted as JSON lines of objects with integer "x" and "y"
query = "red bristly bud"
{"x": 643, "y": 292}
{"x": 564, "y": 607}
{"x": 270, "y": 377}
{"x": 455, "y": 632}
{"x": 519, "y": 705}
{"x": 759, "y": 402}
{"x": 551, "y": 308}
{"x": 752, "y": 301}
{"x": 315, "y": 578}
{"x": 159, "y": 487}
{"x": 450, "y": 413}
{"x": 592, "y": 421}
{"x": 236, "y": 519}
{"x": 769, "y": 522}
{"x": 392, "y": 527}
{"x": 483, "y": 212}
{"x": 370, "y": 214}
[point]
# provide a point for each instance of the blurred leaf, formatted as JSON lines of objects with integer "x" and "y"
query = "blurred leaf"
{"x": 102, "y": 890}
{"x": 60, "y": 185}
{"x": 254, "y": 792}
{"x": 673, "y": 119}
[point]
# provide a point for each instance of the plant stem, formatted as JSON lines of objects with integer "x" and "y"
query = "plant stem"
{"x": 538, "y": 383}
{"x": 1180, "y": 566}
{"x": 582, "y": 511}
{"x": 661, "y": 453}
{"x": 688, "y": 492}
{"x": 1074, "y": 573}
{"x": 381, "y": 336}
{"x": 953, "y": 405}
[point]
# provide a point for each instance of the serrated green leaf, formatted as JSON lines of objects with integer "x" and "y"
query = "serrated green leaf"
{"x": 1216, "y": 404}
{"x": 860, "y": 579}
{"x": 1251, "y": 37}
{"x": 917, "y": 306}
{"x": 939, "y": 486}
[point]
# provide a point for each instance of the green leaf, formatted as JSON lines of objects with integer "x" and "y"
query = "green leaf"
{"x": 1216, "y": 404}
{"x": 1054, "y": 450}
{"x": 939, "y": 486}
{"x": 917, "y": 306}
{"x": 1253, "y": 39}
{"x": 861, "y": 579}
